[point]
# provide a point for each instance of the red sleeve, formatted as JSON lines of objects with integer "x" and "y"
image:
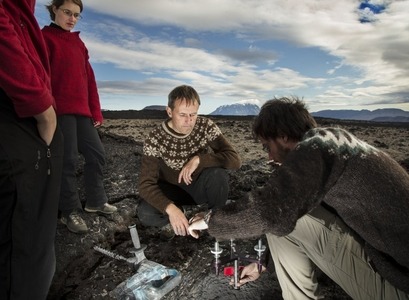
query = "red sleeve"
{"x": 22, "y": 74}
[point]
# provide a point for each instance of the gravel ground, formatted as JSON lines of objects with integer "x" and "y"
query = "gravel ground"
{"x": 83, "y": 273}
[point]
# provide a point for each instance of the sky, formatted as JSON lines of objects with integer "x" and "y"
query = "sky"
{"x": 347, "y": 54}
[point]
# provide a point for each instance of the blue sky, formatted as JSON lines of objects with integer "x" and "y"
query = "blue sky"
{"x": 345, "y": 54}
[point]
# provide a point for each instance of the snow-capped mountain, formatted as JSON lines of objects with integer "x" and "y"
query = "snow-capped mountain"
{"x": 237, "y": 109}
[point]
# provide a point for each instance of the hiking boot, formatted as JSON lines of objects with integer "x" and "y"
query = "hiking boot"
{"x": 106, "y": 209}
{"x": 74, "y": 223}
{"x": 166, "y": 233}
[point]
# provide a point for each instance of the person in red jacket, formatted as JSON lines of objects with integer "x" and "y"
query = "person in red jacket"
{"x": 79, "y": 114}
{"x": 31, "y": 150}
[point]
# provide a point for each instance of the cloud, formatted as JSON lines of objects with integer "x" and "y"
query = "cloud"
{"x": 184, "y": 41}
{"x": 250, "y": 55}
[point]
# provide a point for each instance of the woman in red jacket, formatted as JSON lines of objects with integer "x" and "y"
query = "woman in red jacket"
{"x": 79, "y": 113}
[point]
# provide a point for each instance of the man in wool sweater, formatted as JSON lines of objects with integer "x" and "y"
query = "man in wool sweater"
{"x": 335, "y": 203}
{"x": 184, "y": 162}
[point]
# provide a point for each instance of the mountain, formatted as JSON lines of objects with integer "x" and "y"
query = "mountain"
{"x": 378, "y": 115}
{"x": 237, "y": 109}
{"x": 135, "y": 114}
{"x": 155, "y": 107}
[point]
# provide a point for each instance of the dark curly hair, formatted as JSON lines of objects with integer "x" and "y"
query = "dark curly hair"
{"x": 283, "y": 117}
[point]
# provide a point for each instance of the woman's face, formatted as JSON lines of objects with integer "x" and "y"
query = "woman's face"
{"x": 67, "y": 15}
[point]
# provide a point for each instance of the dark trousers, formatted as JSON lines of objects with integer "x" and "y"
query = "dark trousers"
{"x": 80, "y": 136}
{"x": 211, "y": 188}
{"x": 30, "y": 174}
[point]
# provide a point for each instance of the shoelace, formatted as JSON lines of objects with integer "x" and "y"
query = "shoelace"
{"x": 76, "y": 219}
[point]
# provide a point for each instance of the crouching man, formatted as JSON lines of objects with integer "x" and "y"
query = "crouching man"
{"x": 185, "y": 161}
{"x": 335, "y": 203}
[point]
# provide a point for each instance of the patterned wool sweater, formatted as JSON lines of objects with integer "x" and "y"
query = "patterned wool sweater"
{"x": 363, "y": 185}
{"x": 72, "y": 77}
{"x": 165, "y": 152}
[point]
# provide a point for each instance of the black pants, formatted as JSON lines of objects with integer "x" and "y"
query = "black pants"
{"x": 30, "y": 174}
{"x": 80, "y": 136}
{"x": 211, "y": 188}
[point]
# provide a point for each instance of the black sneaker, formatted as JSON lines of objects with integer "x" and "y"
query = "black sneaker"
{"x": 166, "y": 233}
{"x": 75, "y": 223}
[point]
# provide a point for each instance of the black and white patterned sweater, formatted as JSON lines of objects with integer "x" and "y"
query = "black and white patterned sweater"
{"x": 363, "y": 185}
{"x": 165, "y": 152}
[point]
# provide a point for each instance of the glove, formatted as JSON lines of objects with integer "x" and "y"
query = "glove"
{"x": 198, "y": 223}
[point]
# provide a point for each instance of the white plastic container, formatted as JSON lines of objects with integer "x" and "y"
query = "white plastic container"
{"x": 151, "y": 282}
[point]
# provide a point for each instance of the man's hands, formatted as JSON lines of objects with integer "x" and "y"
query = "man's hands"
{"x": 46, "y": 124}
{"x": 249, "y": 273}
{"x": 177, "y": 219}
{"x": 180, "y": 224}
{"x": 188, "y": 169}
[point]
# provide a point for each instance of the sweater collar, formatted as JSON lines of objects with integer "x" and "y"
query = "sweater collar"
{"x": 58, "y": 31}
{"x": 171, "y": 131}
{"x": 54, "y": 25}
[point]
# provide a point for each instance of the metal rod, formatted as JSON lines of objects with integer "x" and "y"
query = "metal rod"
{"x": 109, "y": 253}
{"x": 216, "y": 252}
{"x": 236, "y": 274}
{"x": 135, "y": 237}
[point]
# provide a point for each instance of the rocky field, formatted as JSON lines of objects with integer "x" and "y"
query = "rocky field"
{"x": 84, "y": 273}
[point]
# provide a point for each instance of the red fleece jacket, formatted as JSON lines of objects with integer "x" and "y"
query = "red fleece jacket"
{"x": 24, "y": 67}
{"x": 72, "y": 78}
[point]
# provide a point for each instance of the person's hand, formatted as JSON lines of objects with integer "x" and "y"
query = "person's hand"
{"x": 197, "y": 223}
{"x": 46, "y": 124}
{"x": 188, "y": 169}
{"x": 96, "y": 123}
{"x": 249, "y": 273}
{"x": 177, "y": 219}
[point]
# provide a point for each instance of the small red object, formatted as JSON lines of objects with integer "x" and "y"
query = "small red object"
{"x": 229, "y": 271}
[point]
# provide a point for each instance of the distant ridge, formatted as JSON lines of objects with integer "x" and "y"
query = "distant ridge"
{"x": 378, "y": 115}
{"x": 135, "y": 114}
{"x": 391, "y": 119}
{"x": 155, "y": 107}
